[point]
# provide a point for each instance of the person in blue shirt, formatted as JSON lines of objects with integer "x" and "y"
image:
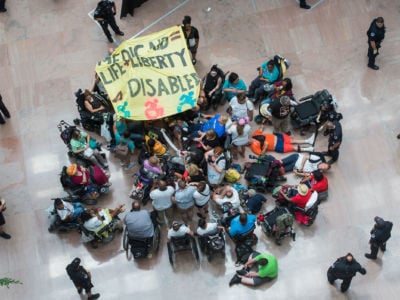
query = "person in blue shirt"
{"x": 233, "y": 86}
{"x": 268, "y": 74}
{"x": 254, "y": 201}
{"x": 242, "y": 224}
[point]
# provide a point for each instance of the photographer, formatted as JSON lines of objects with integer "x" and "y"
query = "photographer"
{"x": 335, "y": 140}
{"x": 216, "y": 163}
{"x": 104, "y": 14}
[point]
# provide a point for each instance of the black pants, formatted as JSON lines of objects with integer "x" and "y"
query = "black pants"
{"x": 3, "y": 110}
{"x": 346, "y": 281}
{"x": 334, "y": 154}
{"x": 303, "y": 2}
{"x": 375, "y": 248}
{"x": 371, "y": 56}
{"x": 109, "y": 21}
{"x": 2, "y": 4}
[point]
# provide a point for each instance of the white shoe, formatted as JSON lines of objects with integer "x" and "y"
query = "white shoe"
{"x": 311, "y": 139}
{"x": 307, "y": 149}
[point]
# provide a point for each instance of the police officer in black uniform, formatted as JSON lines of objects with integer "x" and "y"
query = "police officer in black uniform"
{"x": 303, "y": 4}
{"x": 344, "y": 268}
{"x": 105, "y": 15}
{"x": 81, "y": 278}
{"x": 3, "y": 6}
{"x": 335, "y": 140}
{"x": 376, "y": 34}
{"x": 380, "y": 234}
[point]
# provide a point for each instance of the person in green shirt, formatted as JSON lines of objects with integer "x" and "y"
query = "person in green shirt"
{"x": 267, "y": 270}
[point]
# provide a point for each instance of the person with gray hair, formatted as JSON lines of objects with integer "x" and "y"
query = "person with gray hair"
{"x": 184, "y": 200}
{"x": 280, "y": 111}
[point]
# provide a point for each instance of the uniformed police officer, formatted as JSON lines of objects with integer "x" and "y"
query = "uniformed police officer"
{"x": 380, "y": 234}
{"x": 344, "y": 268}
{"x": 303, "y": 4}
{"x": 104, "y": 14}
{"x": 376, "y": 34}
{"x": 3, "y": 6}
{"x": 335, "y": 139}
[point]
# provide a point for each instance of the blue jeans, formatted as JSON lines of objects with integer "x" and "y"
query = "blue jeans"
{"x": 290, "y": 161}
{"x": 78, "y": 209}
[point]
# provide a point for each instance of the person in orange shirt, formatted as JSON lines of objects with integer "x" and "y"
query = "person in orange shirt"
{"x": 261, "y": 142}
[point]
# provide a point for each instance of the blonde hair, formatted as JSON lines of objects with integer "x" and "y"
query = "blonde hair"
{"x": 224, "y": 119}
{"x": 211, "y": 134}
{"x": 154, "y": 161}
{"x": 193, "y": 170}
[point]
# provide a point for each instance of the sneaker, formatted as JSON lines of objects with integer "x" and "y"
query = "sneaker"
{"x": 94, "y": 296}
{"x": 235, "y": 280}
{"x": 5, "y": 236}
{"x": 242, "y": 272}
{"x": 311, "y": 139}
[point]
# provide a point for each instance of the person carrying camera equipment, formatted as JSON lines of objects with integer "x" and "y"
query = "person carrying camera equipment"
{"x": 105, "y": 15}
{"x": 380, "y": 234}
{"x": 216, "y": 163}
{"x": 335, "y": 139}
{"x": 81, "y": 278}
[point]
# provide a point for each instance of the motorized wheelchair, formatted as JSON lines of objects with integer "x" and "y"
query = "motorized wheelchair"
{"x": 66, "y": 131}
{"x": 93, "y": 121}
{"x": 88, "y": 194}
{"x": 277, "y": 223}
{"x": 55, "y": 221}
{"x": 142, "y": 247}
{"x": 264, "y": 174}
{"x": 210, "y": 83}
{"x": 212, "y": 243}
{"x": 180, "y": 244}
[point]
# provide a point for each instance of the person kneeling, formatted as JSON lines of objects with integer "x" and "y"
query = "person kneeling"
{"x": 267, "y": 270}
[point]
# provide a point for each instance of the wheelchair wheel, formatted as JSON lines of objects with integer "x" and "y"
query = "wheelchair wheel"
{"x": 156, "y": 239}
{"x": 125, "y": 242}
{"x": 104, "y": 189}
{"x": 171, "y": 254}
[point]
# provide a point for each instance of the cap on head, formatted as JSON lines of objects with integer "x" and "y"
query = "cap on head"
{"x": 251, "y": 193}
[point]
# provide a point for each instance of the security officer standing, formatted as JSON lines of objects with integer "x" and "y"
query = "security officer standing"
{"x": 380, "y": 234}
{"x": 105, "y": 15}
{"x": 81, "y": 278}
{"x": 335, "y": 140}
{"x": 3, "y": 6}
{"x": 303, "y": 4}
{"x": 376, "y": 34}
{"x": 344, "y": 268}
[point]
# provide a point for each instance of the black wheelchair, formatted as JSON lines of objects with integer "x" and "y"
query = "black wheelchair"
{"x": 142, "y": 247}
{"x": 212, "y": 243}
{"x": 180, "y": 244}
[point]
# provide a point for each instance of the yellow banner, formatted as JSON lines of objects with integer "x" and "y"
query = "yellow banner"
{"x": 151, "y": 77}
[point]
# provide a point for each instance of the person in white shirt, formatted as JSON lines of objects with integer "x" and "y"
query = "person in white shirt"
{"x": 178, "y": 230}
{"x": 227, "y": 194}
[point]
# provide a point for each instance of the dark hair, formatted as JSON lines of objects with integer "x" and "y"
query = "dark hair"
{"x": 214, "y": 68}
{"x": 187, "y": 20}
{"x": 162, "y": 186}
{"x": 271, "y": 63}
{"x": 126, "y": 134}
{"x": 75, "y": 133}
{"x": 75, "y": 263}
{"x": 232, "y": 77}
{"x": 262, "y": 261}
{"x": 379, "y": 20}
{"x": 289, "y": 84}
{"x": 85, "y": 216}
{"x": 135, "y": 206}
{"x": 57, "y": 202}
{"x": 202, "y": 223}
{"x": 243, "y": 218}
{"x": 201, "y": 186}
{"x": 318, "y": 175}
{"x": 151, "y": 142}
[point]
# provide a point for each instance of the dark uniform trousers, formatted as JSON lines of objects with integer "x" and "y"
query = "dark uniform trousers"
{"x": 4, "y": 111}
{"x": 2, "y": 4}
{"x": 110, "y": 20}
{"x": 345, "y": 283}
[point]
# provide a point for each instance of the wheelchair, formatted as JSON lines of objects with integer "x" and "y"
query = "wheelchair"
{"x": 105, "y": 235}
{"x": 277, "y": 223}
{"x": 249, "y": 238}
{"x": 82, "y": 192}
{"x": 142, "y": 247}
{"x": 180, "y": 244}
{"x": 66, "y": 131}
{"x": 212, "y": 243}
{"x": 308, "y": 214}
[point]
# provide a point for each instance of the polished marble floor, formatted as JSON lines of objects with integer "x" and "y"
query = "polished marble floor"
{"x": 48, "y": 49}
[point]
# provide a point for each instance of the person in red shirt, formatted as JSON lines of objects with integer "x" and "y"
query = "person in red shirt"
{"x": 316, "y": 181}
{"x": 302, "y": 197}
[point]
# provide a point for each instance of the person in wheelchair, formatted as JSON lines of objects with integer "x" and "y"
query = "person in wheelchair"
{"x": 300, "y": 199}
{"x": 206, "y": 228}
{"x": 96, "y": 222}
{"x": 80, "y": 143}
{"x": 154, "y": 146}
{"x": 152, "y": 168}
{"x": 212, "y": 85}
{"x": 280, "y": 88}
{"x": 93, "y": 106}
{"x": 178, "y": 230}
{"x": 241, "y": 225}
{"x": 268, "y": 73}
{"x": 92, "y": 175}
{"x": 139, "y": 223}
{"x": 67, "y": 212}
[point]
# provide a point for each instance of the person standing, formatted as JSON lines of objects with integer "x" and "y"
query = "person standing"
{"x": 161, "y": 197}
{"x": 3, "y": 6}
{"x": 105, "y": 15}
{"x": 380, "y": 234}
{"x": 184, "y": 200}
{"x": 335, "y": 140}
{"x": 303, "y": 4}
{"x": 2, "y": 220}
{"x": 376, "y": 34}
{"x": 280, "y": 111}
{"x": 3, "y": 110}
{"x": 81, "y": 278}
{"x": 344, "y": 268}
{"x": 192, "y": 37}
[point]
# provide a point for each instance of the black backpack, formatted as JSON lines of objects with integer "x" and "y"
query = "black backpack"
{"x": 243, "y": 252}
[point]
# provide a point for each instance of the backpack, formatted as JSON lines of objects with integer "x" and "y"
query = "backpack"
{"x": 232, "y": 175}
{"x": 228, "y": 159}
{"x": 243, "y": 252}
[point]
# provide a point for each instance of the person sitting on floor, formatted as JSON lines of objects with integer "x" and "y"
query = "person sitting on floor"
{"x": 267, "y": 270}
{"x": 261, "y": 142}
{"x": 254, "y": 201}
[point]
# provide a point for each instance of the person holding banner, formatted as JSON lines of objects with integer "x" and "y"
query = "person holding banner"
{"x": 192, "y": 37}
